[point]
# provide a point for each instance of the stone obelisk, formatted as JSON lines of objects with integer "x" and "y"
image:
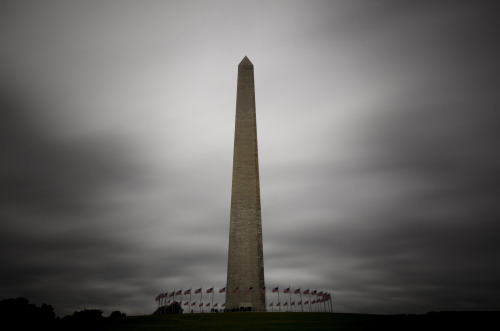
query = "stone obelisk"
{"x": 245, "y": 266}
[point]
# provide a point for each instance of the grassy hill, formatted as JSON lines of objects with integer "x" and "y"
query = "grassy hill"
{"x": 243, "y": 321}
{"x": 305, "y": 321}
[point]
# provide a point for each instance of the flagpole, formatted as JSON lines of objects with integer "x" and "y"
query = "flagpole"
{"x": 265, "y": 297}
{"x": 290, "y": 292}
{"x": 316, "y": 301}
{"x": 309, "y": 300}
{"x": 172, "y": 304}
{"x": 201, "y": 298}
{"x": 164, "y": 303}
{"x": 252, "y": 294}
{"x": 279, "y": 307}
{"x": 212, "y": 307}
{"x": 301, "y": 304}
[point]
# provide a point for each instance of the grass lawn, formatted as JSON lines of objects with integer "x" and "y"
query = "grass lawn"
{"x": 249, "y": 321}
{"x": 307, "y": 321}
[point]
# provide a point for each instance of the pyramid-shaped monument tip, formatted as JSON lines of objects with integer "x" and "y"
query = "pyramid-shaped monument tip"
{"x": 245, "y": 62}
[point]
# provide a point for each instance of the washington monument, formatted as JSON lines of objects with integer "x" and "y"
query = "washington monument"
{"x": 245, "y": 266}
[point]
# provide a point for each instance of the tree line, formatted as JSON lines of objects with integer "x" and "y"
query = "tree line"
{"x": 22, "y": 313}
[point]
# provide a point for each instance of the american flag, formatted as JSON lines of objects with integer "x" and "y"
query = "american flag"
{"x": 293, "y": 303}
{"x": 313, "y": 302}
{"x": 207, "y": 305}
{"x": 250, "y": 289}
{"x": 286, "y": 304}
{"x": 236, "y": 290}
{"x": 172, "y": 294}
{"x": 194, "y": 303}
{"x": 197, "y": 291}
{"x": 222, "y": 290}
{"x": 201, "y": 304}
{"x": 210, "y": 290}
{"x": 187, "y": 291}
{"x": 297, "y": 291}
{"x": 314, "y": 292}
{"x": 286, "y": 290}
{"x": 299, "y": 303}
{"x": 320, "y": 294}
{"x": 307, "y": 302}
{"x": 306, "y": 291}
{"x": 279, "y": 304}
{"x": 262, "y": 289}
{"x": 271, "y": 304}
{"x": 178, "y": 292}
{"x": 186, "y": 303}
{"x": 215, "y": 304}
{"x": 276, "y": 289}
{"x": 223, "y": 305}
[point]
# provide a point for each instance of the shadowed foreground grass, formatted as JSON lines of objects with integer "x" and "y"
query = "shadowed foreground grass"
{"x": 231, "y": 321}
{"x": 306, "y": 321}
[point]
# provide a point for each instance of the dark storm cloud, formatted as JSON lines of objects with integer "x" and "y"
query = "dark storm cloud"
{"x": 42, "y": 172}
{"x": 445, "y": 224}
{"x": 54, "y": 235}
{"x": 66, "y": 229}
{"x": 410, "y": 223}
{"x": 436, "y": 145}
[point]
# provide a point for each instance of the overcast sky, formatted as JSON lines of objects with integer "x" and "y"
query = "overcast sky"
{"x": 378, "y": 131}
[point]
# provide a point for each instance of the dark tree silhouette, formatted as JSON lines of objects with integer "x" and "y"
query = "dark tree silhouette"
{"x": 88, "y": 314}
{"x": 84, "y": 320}
{"x": 117, "y": 314}
{"x": 21, "y": 312}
